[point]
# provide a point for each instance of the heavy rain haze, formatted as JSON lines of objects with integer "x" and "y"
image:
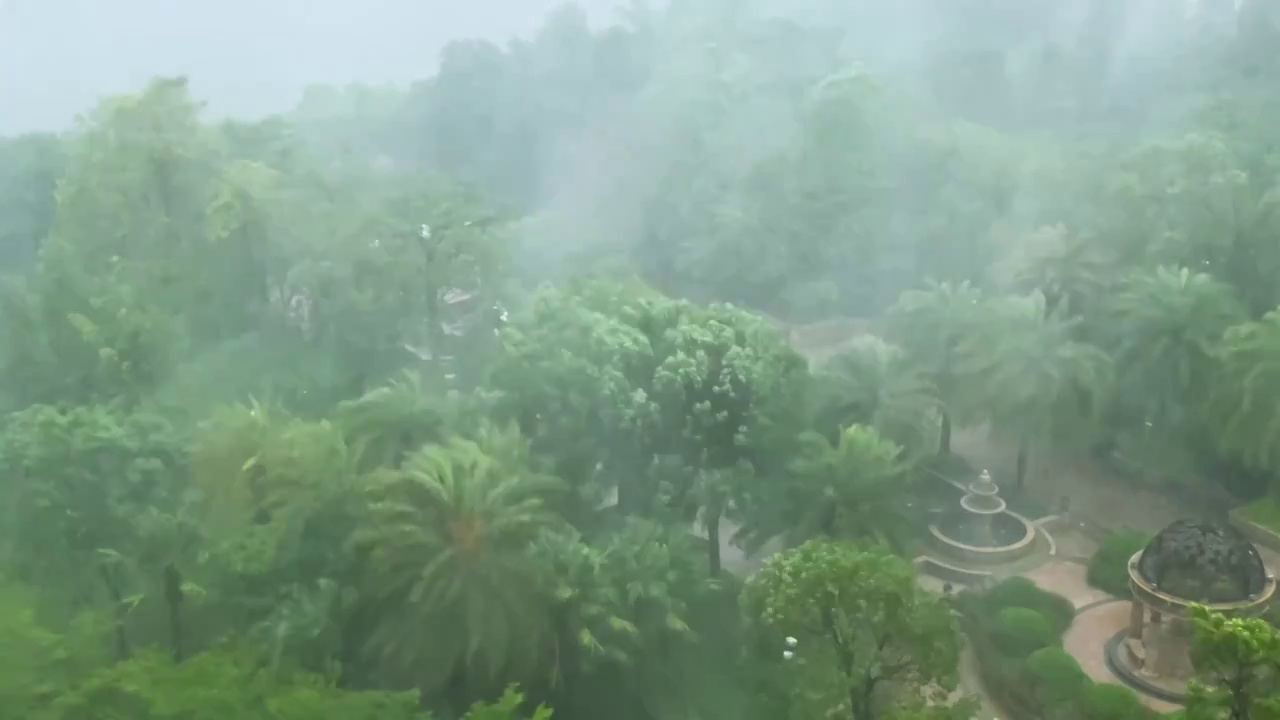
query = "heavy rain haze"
{"x": 688, "y": 360}
{"x": 244, "y": 57}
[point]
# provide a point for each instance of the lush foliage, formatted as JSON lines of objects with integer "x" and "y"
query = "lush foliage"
{"x": 869, "y": 638}
{"x": 1015, "y": 629}
{"x": 1019, "y": 592}
{"x": 493, "y": 382}
{"x": 1238, "y": 661}
{"x": 1109, "y": 566}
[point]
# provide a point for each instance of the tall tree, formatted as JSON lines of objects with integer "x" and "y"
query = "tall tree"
{"x": 450, "y": 579}
{"x": 870, "y": 641}
{"x": 1164, "y": 327}
{"x": 575, "y": 376}
{"x": 930, "y": 324}
{"x": 621, "y": 608}
{"x": 389, "y": 422}
{"x": 1237, "y": 668}
{"x": 729, "y": 392}
{"x": 1024, "y": 364}
{"x": 1068, "y": 270}
{"x": 876, "y": 384}
{"x": 858, "y": 488}
{"x": 1248, "y": 419}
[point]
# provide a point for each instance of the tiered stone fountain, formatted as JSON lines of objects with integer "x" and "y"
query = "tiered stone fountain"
{"x": 983, "y": 502}
{"x": 984, "y": 532}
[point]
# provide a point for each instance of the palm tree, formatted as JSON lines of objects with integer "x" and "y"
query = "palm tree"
{"x": 618, "y": 604}
{"x": 872, "y": 383}
{"x": 1204, "y": 200}
{"x": 1025, "y": 365}
{"x": 856, "y": 488}
{"x": 447, "y": 539}
{"x": 387, "y": 423}
{"x": 929, "y": 324}
{"x": 1065, "y": 268}
{"x": 1164, "y": 327}
{"x": 1244, "y": 400}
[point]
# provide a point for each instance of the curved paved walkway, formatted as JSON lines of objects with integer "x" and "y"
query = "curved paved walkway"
{"x": 1067, "y": 579}
{"x": 1086, "y": 640}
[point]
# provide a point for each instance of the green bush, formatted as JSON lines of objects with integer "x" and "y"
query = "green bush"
{"x": 1264, "y": 511}
{"x": 1107, "y": 701}
{"x": 1018, "y": 632}
{"x": 1054, "y": 677}
{"x": 1019, "y": 592}
{"x": 216, "y": 685}
{"x": 1109, "y": 566}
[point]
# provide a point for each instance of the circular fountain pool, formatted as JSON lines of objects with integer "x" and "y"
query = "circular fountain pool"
{"x": 1006, "y": 530}
{"x": 981, "y": 531}
{"x": 962, "y": 538}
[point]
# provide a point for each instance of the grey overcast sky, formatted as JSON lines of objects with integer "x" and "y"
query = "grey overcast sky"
{"x": 243, "y": 56}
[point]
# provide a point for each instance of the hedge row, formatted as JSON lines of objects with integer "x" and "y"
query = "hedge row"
{"x": 1016, "y": 632}
{"x": 1109, "y": 566}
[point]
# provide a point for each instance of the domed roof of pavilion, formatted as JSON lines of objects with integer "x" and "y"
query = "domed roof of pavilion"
{"x": 1204, "y": 563}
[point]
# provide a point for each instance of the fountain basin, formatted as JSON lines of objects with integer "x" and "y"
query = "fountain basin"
{"x": 1014, "y": 538}
{"x": 982, "y": 504}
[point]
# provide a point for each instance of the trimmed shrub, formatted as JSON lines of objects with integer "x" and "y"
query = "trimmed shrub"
{"x": 1109, "y": 566}
{"x": 1055, "y": 678}
{"x": 1107, "y": 701}
{"x": 1020, "y": 592}
{"x": 1018, "y": 632}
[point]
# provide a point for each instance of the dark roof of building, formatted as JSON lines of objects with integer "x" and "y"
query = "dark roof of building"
{"x": 1203, "y": 562}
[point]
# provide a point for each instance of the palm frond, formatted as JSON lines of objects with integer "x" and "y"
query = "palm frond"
{"x": 448, "y": 539}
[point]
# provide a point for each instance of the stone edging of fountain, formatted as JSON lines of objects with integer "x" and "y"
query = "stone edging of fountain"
{"x": 953, "y": 573}
{"x": 992, "y": 555}
{"x": 1120, "y": 669}
{"x": 1048, "y": 537}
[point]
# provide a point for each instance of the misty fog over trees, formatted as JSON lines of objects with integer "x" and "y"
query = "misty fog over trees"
{"x": 620, "y": 361}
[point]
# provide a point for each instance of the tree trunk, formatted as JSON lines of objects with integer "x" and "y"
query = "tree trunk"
{"x": 564, "y": 685}
{"x": 944, "y": 437}
{"x": 121, "y": 636}
{"x": 859, "y": 704}
{"x": 435, "y": 330}
{"x": 1020, "y": 477}
{"x": 712, "y": 522}
{"x": 828, "y": 522}
{"x": 173, "y": 597}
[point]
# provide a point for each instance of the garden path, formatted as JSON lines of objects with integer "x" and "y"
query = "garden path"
{"x": 1087, "y": 637}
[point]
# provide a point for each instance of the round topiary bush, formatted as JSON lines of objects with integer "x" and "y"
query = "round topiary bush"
{"x": 1054, "y": 677}
{"x": 1023, "y": 593}
{"x": 1106, "y": 701}
{"x": 1018, "y": 632}
{"x": 1109, "y": 566}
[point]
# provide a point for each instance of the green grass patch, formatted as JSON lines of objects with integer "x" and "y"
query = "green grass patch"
{"x": 1264, "y": 511}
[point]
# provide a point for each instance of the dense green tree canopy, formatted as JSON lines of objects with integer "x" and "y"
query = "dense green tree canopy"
{"x": 488, "y": 396}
